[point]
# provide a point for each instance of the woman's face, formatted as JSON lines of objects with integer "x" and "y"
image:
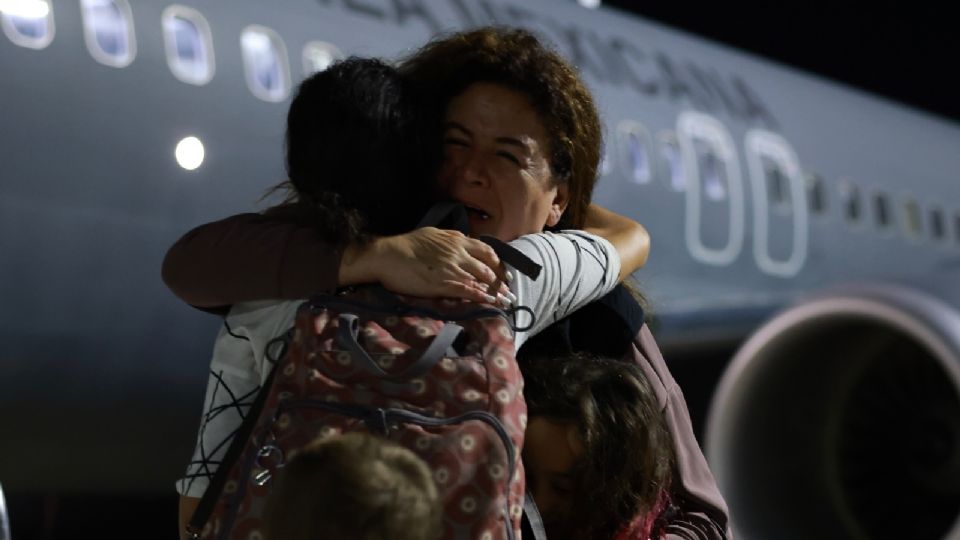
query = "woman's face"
{"x": 496, "y": 162}
{"x": 551, "y": 448}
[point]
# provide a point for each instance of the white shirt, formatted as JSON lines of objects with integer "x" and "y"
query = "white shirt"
{"x": 578, "y": 268}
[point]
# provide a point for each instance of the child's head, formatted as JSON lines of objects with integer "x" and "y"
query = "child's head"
{"x": 360, "y": 152}
{"x": 597, "y": 452}
{"x": 357, "y": 487}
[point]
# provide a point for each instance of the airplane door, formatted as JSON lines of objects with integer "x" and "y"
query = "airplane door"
{"x": 780, "y": 212}
{"x": 714, "y": 226}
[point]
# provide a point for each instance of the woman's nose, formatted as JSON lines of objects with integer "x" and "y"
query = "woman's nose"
{"x": 470, "y": 169}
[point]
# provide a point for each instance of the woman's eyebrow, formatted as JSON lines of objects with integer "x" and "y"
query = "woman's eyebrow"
{"x": 513, "y": 142}
{"x": 458, "y": 127}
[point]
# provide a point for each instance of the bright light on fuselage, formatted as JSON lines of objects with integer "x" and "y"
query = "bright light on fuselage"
{"x": 189, "y": 153}
{"x": 256, "y": 41}
{"x": 592, "y": 4}
{"x": 25, "y": 9}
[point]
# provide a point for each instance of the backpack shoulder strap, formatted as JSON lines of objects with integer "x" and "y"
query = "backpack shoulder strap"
{"x": 209, "y": 500}
{"x": 531, "y": 523}
{"x": 453, "y": 216}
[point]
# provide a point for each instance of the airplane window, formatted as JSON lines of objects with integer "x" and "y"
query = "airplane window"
{"x": 28, "y": 23}
{"x": 816, "y": 194}
{"x": 639, "y": 159}
{"x": 956, "y": 227}
{"x": 108, "y": 31}
{"x": 938, "y": 229}
{"x": 850, "y": 195}
{"x": 712, "y": 167}
{"x": 265, "y": 63}
{"x": 780, "y": 209}
{"x": 634, "y": 146}
{"x": 673, "y": 160}
{"x": 605, "y": 163}
{"x": 881, "y": 210}
{"x": 778, "y": 188}
{"x": 189, "y": 45}
{"x": 712, "y": 173}
{"x": 318, "y": 56}
{"x": 912, "y": 220}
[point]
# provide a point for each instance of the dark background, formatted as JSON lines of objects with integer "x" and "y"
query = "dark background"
{"x": 904, "y": 51}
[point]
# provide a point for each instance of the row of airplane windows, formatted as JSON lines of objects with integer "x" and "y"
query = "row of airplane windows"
{"x": 856, "y": 206}
{"x": 110, "y": 38}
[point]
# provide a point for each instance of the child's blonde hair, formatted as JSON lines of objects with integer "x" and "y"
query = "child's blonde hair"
{"x": 354, "y": 486}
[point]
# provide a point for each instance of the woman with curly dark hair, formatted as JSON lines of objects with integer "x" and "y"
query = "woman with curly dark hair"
{"x": 521, "y": 143}
{"x": 359, "y": 169}
{"x": 598, "y": 456}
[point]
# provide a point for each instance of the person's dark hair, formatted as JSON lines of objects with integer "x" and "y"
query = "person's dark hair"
{"x": 518, "y": 60}
{"x": 628, "y": 456}
{"x": 360, "y": 157}
{"x": 354, "y": 487}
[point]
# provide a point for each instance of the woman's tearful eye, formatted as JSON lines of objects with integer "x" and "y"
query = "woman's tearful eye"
{"x": 454, "y": 142}
{"x": 509, "y": 157}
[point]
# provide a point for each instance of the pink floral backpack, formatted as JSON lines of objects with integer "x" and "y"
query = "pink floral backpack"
{"x": 439, "y": 377}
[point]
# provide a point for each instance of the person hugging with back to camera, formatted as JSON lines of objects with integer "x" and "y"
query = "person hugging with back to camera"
{"x": 360, "y": 170}
{"x": 506, "y": 80}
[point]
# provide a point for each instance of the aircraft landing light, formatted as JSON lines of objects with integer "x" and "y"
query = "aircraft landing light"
{"x": 25, "y": 9}
{"x": 189, "y": 153}
{"x": 591, "y": 4}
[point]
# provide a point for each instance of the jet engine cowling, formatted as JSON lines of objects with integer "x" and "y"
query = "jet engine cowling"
{"x": 840, "y": 418}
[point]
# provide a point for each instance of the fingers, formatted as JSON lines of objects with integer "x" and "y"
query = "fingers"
{"x": 480, "y": 271}
{"x": 486, "y": 255}
{"x": 477, "y": 292}
{"x": 467, "y": 291}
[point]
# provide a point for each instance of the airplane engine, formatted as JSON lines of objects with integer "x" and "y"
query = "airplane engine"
{"x": 840, "y": 418}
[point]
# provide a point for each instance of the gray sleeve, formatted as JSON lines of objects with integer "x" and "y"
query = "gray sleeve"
{"x": 578, "y": 268}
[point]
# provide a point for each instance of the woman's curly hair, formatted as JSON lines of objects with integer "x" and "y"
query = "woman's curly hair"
{"x": 517, "y": 59}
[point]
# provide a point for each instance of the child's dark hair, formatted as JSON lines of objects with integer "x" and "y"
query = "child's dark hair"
{"x": 626, "y": 468}
{"x": 360, "y": 153}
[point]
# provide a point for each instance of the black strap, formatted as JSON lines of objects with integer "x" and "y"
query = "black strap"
{"x": 453, "y": 215}
{"x": 209, "y": 500}
{"x": 446, "y": 215}
{"x": 532, "y": 524}
{"x": 512, "y": 256}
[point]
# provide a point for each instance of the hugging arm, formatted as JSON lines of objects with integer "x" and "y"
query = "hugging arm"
{"x": 254, "y": 257}
{"x": 628, "y": 237}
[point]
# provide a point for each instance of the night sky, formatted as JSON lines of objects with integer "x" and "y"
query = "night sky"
{"x": 906, "y": 52}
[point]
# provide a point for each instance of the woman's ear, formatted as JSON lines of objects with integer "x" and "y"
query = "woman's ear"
{"x": 559, "y": 205}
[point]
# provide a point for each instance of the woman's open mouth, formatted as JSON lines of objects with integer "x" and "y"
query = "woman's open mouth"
{"x": 477, "y": 213}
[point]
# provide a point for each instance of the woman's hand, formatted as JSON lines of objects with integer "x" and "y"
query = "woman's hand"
{"x": 427, "y": 262}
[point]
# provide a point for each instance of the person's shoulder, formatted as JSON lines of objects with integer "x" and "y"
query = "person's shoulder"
{"x": 564, "y": 235}
{"x": 566, "y": 247}
{"x": 259, "y": 308}
{"x": 568, "y": 239}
